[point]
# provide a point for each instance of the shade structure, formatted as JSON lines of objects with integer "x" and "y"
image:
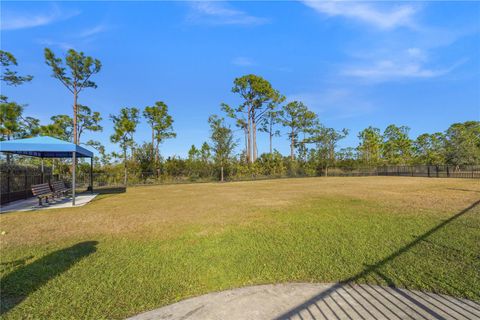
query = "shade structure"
{"x": 48, "y": 147}
{"x": 44, "y": 147}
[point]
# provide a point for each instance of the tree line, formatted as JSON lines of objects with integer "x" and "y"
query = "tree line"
{"x": 313, "y": 146}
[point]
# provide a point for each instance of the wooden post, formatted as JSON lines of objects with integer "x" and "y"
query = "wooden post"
{"x": 428, "y": 167}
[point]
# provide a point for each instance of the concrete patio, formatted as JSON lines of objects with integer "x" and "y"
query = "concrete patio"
{"x": 31, "y": 204}
{"x": 317, "y": 301}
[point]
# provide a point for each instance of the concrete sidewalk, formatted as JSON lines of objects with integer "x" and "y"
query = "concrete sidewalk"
{"x": 317, "y": 301}
{"x": 32, "y": 203}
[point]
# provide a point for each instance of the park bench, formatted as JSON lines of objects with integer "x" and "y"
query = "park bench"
{"x": 42, "y": 191}
{"x": 59, "y": 189}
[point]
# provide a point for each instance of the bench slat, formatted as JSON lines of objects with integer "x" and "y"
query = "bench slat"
{"x": 41, "y": 189}
{"x": 39, "y": 186}
{"x": 59, "y": 187}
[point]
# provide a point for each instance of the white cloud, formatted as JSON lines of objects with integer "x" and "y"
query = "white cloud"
{"x": 15, "y": 20}
{"x": 388, "y": 69}
{"x": 242, "y": 62}
{"x": 383, "y": 18}
{"x": 411, "y": 63}
{"x": 93, "y": 31}
{"x": 335, "y": 103}
{"x": 417, "y": 53}
{"x": 59, "y": 44}
{"x": 403, "y": 54}
{"x": 75, "y": 40}
{"x": 219, "y": 13}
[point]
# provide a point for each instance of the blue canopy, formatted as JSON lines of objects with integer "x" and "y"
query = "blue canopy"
{"x": 44, "y": 147}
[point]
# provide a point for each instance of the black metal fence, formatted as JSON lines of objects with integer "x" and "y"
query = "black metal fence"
{"x": 443, "y": 171}
{"x": 145, "y": 178}
{"x": 15, "y": 184}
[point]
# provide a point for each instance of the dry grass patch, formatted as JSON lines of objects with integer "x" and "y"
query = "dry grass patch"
{"x": 163, "y": 210}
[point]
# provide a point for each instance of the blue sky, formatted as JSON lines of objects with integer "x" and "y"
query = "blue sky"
{"x": 355, "y": 64}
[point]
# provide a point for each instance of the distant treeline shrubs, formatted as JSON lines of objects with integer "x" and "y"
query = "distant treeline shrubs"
{"x": 231, "y": 151}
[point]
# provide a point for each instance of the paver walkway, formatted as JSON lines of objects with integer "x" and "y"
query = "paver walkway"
{"x": 317, "y": 301}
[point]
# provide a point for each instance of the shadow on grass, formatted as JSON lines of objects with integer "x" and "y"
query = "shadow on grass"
{"x": 379, "y": 303}
{"x": 110, "y": 190}
{"x": 26, "y": 279}
{"x": 466, "y": 190}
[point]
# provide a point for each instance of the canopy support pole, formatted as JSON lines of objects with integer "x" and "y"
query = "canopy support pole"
{"x": 74, "y": 164}
{"x": 43, "y": 174}
{"x": 91, "y": 174}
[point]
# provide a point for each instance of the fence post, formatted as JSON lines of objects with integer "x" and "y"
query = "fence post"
{"x": 448, "y": 172}
{"x": 8, "y": 183}
{"x": 428, "y": 169}
{"x": 436, "y": 168}
{"x": 25, "y": 187}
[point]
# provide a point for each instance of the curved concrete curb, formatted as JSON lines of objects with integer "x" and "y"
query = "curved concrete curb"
{"x": 317, "y": 301}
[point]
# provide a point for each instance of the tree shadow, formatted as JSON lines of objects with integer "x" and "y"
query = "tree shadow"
{"x": 109, "y": 190}
{"x": 376, "y": 302}
{"x": 466, "y": 190}
{"x": 26, "y": 279}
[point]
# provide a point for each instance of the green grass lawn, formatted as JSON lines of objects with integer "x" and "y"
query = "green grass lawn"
{"x": 151, "y": 246}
